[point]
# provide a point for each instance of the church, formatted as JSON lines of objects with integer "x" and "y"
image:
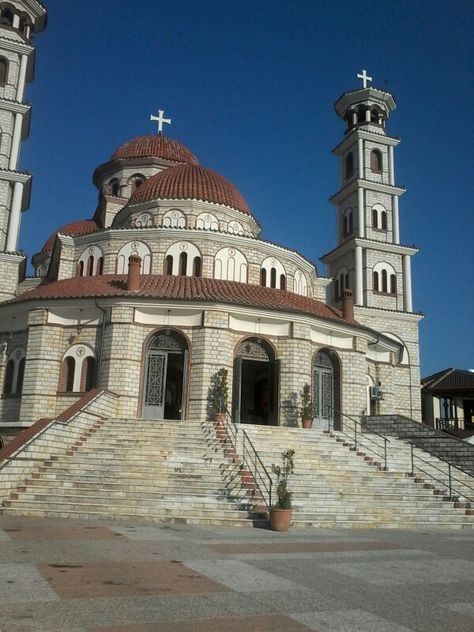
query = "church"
{"x": 167, "y": 281}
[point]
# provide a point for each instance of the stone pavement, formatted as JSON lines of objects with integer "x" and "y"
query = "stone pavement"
{"x": 73, "y": 576}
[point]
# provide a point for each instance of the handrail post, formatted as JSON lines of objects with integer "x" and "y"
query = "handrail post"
{"x": 385, "y": 452}
{"x": 412, "y": 463}
{"x": 355, "y": 435}
{"x": 449, "y": 481}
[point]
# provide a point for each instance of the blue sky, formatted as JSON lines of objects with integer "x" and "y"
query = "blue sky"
{"x": 250, "y": 87}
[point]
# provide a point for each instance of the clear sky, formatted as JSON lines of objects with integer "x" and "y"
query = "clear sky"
{"x": 250, "y": 86}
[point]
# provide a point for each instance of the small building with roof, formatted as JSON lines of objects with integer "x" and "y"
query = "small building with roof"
{"x": 447, "y": 399}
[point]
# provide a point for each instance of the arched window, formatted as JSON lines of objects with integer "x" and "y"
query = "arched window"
{"x": 100, "y": 265}
{"x": 374, "y": 115}
{"x": 375, "y": 218}
{"x": 69, "y": 367}
{"x": 8, "y": 384}
{"x": 347, "y": 223}
{"x": 77, "y": 370}
{"x": 3, "y": 71}
{"x": 376, "y": 160}
{"x": 376, "y": 282}
{"x": 14, "y": 372}
{"x": 114, "y": 187}
{"x": 135, "y": 182}
{"x": 88, "y": 374}
{"x": 282, "y": 282}
{"x": 361, "y": 115}
{"x": 263, "y": 277}
{"x": 7, "y": 17}
{"x": 386, "y": 278}
{"x": 197, "y": 267}
{"x": 383, "y": 216}
{"x": 183, "y": 255}
{"x": 183, "y": 263}
{"x": 90, "y": 266}
{"x": 169, "y": 264}
{"x": 300, "y": 283}
{"x": 230, "y": 265}
{"x": 336, "y": 289}
{"x": 273, "y": 277}
{"x": 80, "y": 268}
{"x": 274, "y": 272}
{"x": 349, "y": 165}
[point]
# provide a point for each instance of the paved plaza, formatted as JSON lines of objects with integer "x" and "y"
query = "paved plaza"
{"x": 83, "y": 576}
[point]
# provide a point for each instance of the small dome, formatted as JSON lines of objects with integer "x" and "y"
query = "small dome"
{"x": 155, "y": 146}
{"x": 82, "y": 227}
{"x": 190, "y": 182}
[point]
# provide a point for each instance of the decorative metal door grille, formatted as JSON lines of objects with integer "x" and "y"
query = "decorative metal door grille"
{"x": 323, "y": 385}
{"x": 166, "y": 342}
{"x": 253, "y": 349}
{"x": 156, "y": 370}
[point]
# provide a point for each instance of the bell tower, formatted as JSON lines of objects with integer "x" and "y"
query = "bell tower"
{"x": 19, "y": 21}
{"x": 369, "y": 257}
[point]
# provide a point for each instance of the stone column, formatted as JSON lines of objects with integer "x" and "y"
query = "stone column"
{"x": 391, "y": 166}
{"x": 15, "y": 214}
{"x": 360, "y": 146}
{"x": 21, "y": 78}
{"x": 359, "y": 280}
{"x": 407, "y": 295}
{"x": 295, "y": 355}
{"x": 395, "y": 220}
{"x": 360, "y": 212}
{"x": 15, "y": 148}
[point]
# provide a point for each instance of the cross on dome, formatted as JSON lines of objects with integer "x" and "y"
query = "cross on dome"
{"x": 364, "y": 77}
{"x": 160, "y": 120}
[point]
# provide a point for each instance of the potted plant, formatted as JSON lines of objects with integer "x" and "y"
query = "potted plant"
{"x": 280, "y": 513}
{"x": 219, "y": 395}
{"x": 306, "y": 407}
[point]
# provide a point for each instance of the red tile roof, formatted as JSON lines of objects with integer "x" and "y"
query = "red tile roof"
{"x": 190, "y": 182}
{"x": 82, "y": 227}
{"x": 181, "y": 288}
{"x": 449, "y": 380}
{"x": 155, "y": 146}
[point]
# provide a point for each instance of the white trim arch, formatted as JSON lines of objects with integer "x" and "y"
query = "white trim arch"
{"x": 341, "y": 281}
{"x": 379, "y": 217}
{"x": 271, "y": 273}
{"x": 230, "y": 265}
{"x": 300, "y": 283}
{"x": 90, "y": 262}
{"x": 77, "y": 372}
{"x": 405, "y": 361}
{"x": 144, "y": 220}
{"x": 183, "y": 255}
{"x": 174, "y": 219}
{"x": 134, "y": 248}
{"x": 235, "y": 228}
{"x": 207, "y": 221}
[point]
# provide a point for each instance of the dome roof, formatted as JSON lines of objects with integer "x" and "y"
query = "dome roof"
{"x": 82, "y": 227}
{"x": 190, "y": 182}
{"x": 155, "y": 146}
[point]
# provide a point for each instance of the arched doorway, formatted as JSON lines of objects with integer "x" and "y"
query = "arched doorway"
{"x": 165, "y": 376}
{"x": 256, "y": 383}
{"x": 326, "y": 390}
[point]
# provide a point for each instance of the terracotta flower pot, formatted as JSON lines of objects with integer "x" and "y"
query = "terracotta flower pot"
{"x": 280, "y": 519}
{"x": 307, "y": 423}
{"x": 219, "y": 418}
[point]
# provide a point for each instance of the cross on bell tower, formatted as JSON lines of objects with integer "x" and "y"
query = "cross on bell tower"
{"x": 365, "y": 78}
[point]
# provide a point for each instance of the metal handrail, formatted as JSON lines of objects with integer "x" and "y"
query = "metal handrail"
{"x": 451, "y": 478}
{"x": 358, "y": 442}
{"x": 250, "y": 459}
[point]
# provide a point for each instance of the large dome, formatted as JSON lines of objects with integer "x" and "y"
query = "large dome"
{"x": 155, "y": 146}
{"x": 190, "y": 182}
{"x": 82, "y": 227}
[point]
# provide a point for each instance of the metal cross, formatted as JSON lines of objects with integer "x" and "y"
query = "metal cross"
{"x": 365, "y": 78}
{"x": 160, "y": 120}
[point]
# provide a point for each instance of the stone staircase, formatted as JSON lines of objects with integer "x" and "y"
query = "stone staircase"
{"x": 172, "y": 472}
{"x": 335, "y": 486}
{"x": 446, "y": 446}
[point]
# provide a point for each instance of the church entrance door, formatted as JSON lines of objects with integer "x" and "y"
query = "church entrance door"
{"x": 256, "y": 383}
{"x": 165, "y": 365}
{"x": 325, "y": 400}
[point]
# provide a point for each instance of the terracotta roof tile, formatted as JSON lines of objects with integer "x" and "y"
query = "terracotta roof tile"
{"x": 154, "y": 146}
{"x": 81, "y": 227}
{"x": 190, "y": 182}
{"x": 449, "y": 380}
{"x": 184, "y": 288}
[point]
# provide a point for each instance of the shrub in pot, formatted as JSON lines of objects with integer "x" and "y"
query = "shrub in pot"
{"x": 306, "y": 407}
{"x": 280, "y": 513}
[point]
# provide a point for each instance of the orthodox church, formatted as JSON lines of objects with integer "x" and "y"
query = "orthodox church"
{"x": 167, "y": 281}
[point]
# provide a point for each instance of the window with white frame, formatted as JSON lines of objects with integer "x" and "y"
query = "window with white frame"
{"x": 77, "y": 370}
{"x": 273, "y": 274}
{"x": 14, "y": 372}
{"x": 136, "y": 248}
{"x": 341, "y": 282}
{"x": 184, "y": 259}
{"x": 300, "y": 283}
{"x": 91, "y": 262}
{"x": 207, "y": 221}
{"x": 347, "y": 222}
{"x": 230, "y": 265}
{"x": 174, "y": 219}
{"x": 384, "y": 278}
{"x": 379, "y": 217}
